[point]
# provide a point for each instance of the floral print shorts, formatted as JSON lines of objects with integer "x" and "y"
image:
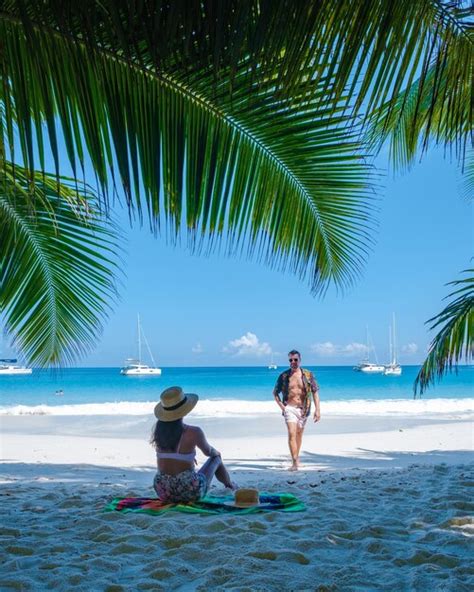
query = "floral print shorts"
{"x": 187, "y": 486}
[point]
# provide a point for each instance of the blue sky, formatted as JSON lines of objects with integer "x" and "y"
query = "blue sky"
{"x": 216, "y": 311}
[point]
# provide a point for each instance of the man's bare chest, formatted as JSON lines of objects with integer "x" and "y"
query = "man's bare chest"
{"x": 295, "y": 384}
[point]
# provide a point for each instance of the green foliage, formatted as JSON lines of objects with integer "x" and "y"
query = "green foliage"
{"x": 455, "y": 338}
{"x": 237, "y": 120}
{"x": 366, "y": 51}
{"x": 56, "y": 266}
{"x": 422, "y": 114}
{"x": 283, "y": 176}
{"x": 467, "y": 183}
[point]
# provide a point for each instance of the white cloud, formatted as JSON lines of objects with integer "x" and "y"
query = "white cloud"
{"x": 410, "y": 348}
{"x": 354, "y": 348}
{"x": 324, "y": 349}
{"x": 197, "y": 349}
{"x": 247, "y": 345}
{"x": 329, "y": 349}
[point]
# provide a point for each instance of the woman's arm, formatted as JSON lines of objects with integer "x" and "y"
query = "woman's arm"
{"x": 204, "y": 445}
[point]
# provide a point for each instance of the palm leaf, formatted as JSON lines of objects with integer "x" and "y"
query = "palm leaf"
{"x": 56, "y": 267}
{"x": 157, "y": 84}
{"x": 422, "y": 114}
{"x": 285, "y": 176}
{"x": 455, "y": 338}
{"x": 227, "y": 116}
{"x": 372, "y": 47}
{"x": 467, "y": 181}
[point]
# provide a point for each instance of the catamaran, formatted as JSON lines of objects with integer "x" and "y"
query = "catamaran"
{"x": 272, "y": 365}
{"x": 366, "y": 365}
{"x": 9, "y": 366}
{"x": 135, "y": 367}
{"x": 393, "y": 368}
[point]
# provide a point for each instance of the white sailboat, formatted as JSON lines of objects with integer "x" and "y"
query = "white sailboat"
{"x": 9, "y": 366}
{"x": 135, "y": 367}
{"x": 366, "y": 365}
{"x": 393, "y": 368}
{"x": 272, "y": 365}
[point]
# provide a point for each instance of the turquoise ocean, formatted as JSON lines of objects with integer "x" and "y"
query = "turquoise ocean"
{"x": 240, "y": 390}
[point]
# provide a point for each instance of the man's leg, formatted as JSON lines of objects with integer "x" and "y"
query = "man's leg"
{"x": 299, "y": 440}
{"x": 293, "y": 444}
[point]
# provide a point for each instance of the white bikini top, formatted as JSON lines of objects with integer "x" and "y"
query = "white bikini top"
{"x": 187, "y": 457}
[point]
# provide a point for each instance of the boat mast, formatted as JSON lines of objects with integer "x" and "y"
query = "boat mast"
{"x": 149, "y": 350}
{"x": 394, "y": 351}
{"x": 390, "y": 346}
{"x": 139, "y": 340}
{"x": 368, "y": 345}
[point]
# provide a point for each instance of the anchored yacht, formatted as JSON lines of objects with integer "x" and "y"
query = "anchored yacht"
{"x": 366, "y": 365}
{"x": 369, "y": 368}
{"x": 135, "y": 367}
{"x": 10, "y": 366}
{"x": 272, "y": 365}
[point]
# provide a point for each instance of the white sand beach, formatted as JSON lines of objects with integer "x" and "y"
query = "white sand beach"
{"x": 389, "y": 507}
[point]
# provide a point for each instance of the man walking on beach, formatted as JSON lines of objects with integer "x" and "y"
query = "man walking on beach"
{"x": 297, "y": 385}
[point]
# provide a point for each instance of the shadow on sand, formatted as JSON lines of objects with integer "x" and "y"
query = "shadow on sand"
{"x": 98, "y": 475}
{"x": 361, "y": 458}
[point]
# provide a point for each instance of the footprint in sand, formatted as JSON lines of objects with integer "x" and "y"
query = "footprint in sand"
{"x": 424, "y": 557}
{"x": 50, "y": 566}
{"x": 14, "y": 550}
{"x": 161, "y": 574}
{"x": 13, "y": 585}
{"x": 175, "y": 543}
{"x": 102, "y": 535}
{"x": 11, "y": 532}
{"x": 219, "y": 577}
{"x": 217, "y": 526}
{"x": 295, "y": 527}
{"x": 126, "y": 549}
{"x": 378, "y": 548}
{"x": 295, "y": 557}
{"x": 460, "y": 521}
{"x": 76, "y": 579}
{"x": 258, "y": 527}
{"x": 268, "y": 555}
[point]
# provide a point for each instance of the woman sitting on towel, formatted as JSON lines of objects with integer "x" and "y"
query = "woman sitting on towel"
{"x": 175, "y": 443}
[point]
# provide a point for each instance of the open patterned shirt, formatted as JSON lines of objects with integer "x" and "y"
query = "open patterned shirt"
{"x": 309, "y": 383}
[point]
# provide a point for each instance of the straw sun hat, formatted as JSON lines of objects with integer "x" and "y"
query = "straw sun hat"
{"x": 245, "y": 498}
{"x": 175, "y": 404}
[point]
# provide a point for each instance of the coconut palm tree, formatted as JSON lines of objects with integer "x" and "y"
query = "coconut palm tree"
{"x": 237, "y": 121}
{"x": 455, "y": 338}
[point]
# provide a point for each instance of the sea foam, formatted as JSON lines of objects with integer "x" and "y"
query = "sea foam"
{"x": 236, "y": 408}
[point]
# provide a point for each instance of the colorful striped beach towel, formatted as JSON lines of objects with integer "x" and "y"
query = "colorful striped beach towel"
{"x": 211, "y": 504}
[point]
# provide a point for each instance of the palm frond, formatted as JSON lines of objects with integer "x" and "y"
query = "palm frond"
{"x": 233, "y": 108}
{"x": 371, "y": 47}
{"x": 455, "y": 339}
{"x": 286, "y": 176}
{"x": 467, "y": 180}
{"x": 57, "y": 263}
{"x": 421, "y": 116}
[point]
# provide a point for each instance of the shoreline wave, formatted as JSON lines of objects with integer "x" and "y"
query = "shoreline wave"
{"x": 212, "y": 408}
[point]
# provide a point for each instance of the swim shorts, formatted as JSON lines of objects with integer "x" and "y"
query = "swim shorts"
{"x": 295, "y": 415}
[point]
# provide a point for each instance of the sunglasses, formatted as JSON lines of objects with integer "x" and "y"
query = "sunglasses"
{"x": 293, "y": 359}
